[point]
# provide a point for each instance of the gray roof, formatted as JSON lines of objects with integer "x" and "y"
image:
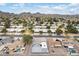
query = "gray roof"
{"x": 36, "y": 48}
{"x": 5, "y": 40}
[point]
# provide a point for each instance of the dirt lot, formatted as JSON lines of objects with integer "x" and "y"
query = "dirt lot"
{"x": 58, "y": 51}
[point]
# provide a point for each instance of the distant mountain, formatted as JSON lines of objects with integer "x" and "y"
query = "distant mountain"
{"x": 28, "y": 14}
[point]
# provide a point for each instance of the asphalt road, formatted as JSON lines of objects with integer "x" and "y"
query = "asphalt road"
{"x": 56, "y": 36}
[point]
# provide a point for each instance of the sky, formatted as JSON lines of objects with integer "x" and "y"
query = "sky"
{"x": 46, "y": 8}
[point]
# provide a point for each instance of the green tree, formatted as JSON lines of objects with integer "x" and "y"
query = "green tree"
{"x": 49, "y": 19}
{"x": 40, "y": 32}
{"x": 24, "y": 22}
{"x": 77, "y": 22}
{"x": 17, "y": 21}
{"x": 49, "y": 31}
{"x": 61, "y": 26}
{"x": 4, "y": 30}
{"x": 61, "y": 19}
{"x": 59, "y": 31}
{"x": 48, "y": 27}
{"x": 73, "y": 22}
{"x": 71, "y": 29}
{"x": 7, "y": 23}
{"x": 27, "y": 39}
{"x": 55, "y": 20}
{"x": 22, "y": 31}
{"x": 68, "y": 21}
{"x": 32, "y": 30}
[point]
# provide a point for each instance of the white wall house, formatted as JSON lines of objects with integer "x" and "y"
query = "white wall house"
{"x": 44, "y": 29}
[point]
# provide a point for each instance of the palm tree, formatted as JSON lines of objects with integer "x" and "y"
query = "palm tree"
{"x": 27, "y": 39}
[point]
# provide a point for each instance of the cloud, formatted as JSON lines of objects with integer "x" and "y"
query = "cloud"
{"x": 17, "y": 5}
{"x": 2, "y": 4}
{"x": 50, "y": 9}
{"x": 20, "y": 11}
{"x": 73, "y": 4}
{"x": 56, "y": 9}
{"x": 69, "y": 8}
{"x": 47, "y": 7}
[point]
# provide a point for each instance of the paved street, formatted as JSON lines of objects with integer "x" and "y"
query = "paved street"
{"x": 55, "y": 36}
